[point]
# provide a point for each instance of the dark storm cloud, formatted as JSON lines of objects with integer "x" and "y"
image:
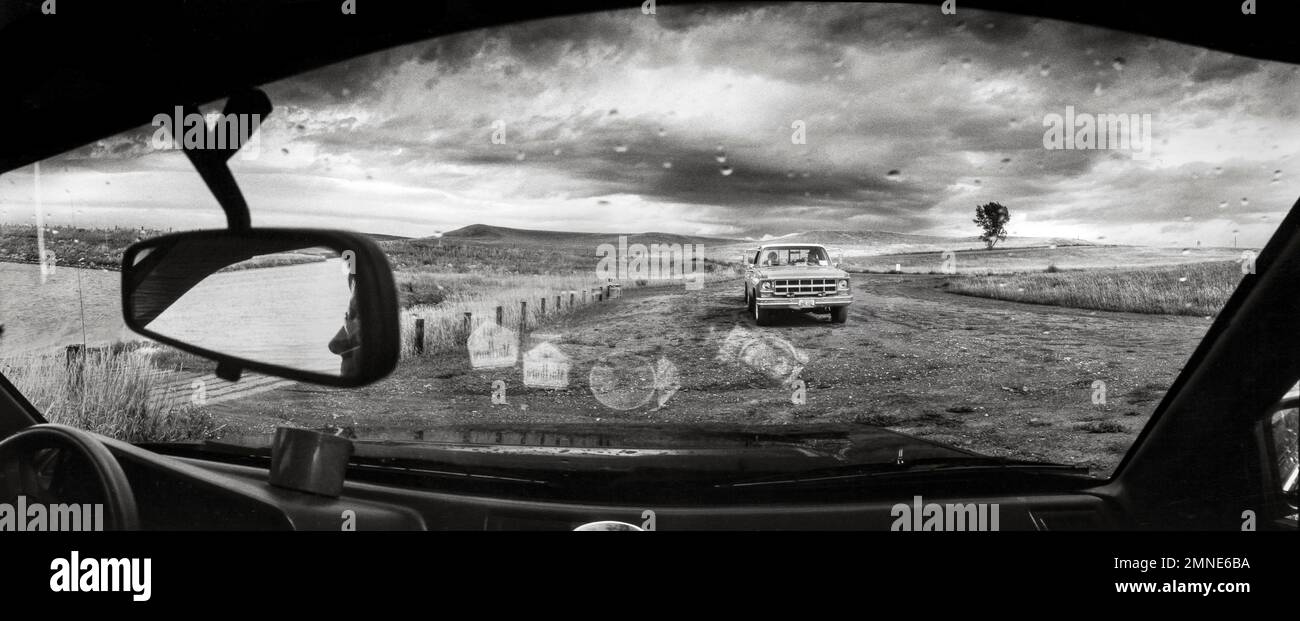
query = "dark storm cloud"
{"x": 594, "y": 106}
{"x": 1224, "y": 68}
{"x": 540, "y": 43}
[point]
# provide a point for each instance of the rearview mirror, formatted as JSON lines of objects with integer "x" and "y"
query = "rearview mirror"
{"x": 312, "y": 305}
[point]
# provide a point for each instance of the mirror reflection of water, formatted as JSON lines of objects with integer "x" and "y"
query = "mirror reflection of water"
{"x": 279, "y": 315}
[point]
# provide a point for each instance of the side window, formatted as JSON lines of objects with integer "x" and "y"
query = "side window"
{"x": 1283, "y": 453}
{"x": 1284, "y": 425}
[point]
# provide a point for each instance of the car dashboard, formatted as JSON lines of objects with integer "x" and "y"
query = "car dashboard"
{"x": 187, "y": 493}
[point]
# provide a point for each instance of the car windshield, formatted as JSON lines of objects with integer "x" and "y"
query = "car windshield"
{"x": 1011, "y": 234}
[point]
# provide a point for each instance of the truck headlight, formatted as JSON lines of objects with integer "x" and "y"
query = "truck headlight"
{"x": 765, "y": 286}
{"x": 844, "y": 285}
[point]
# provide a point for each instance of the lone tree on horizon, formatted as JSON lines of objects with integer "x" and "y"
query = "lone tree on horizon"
{"x": 992, "y": 218}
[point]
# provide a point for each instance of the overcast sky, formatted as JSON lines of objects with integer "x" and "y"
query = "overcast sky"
{"x": 617, "y": 121}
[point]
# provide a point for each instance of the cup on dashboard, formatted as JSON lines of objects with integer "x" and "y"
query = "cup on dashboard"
{"x": 309, "y": 461}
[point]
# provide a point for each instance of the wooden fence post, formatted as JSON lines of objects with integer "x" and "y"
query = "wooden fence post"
{"x": 501, "y": 315}
{"x": 75, "y": 363}
{"x": 523, "y": 316}
{"x": 419, "y": 335}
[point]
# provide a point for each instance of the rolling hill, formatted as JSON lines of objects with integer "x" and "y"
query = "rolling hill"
{"x": 487, "y": 234}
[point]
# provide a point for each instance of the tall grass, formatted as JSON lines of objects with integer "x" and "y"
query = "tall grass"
{"x": 1195, "y": 289}
{"x": 274, "y": 260}
{"x": 96, "y": 248}
{"x": 108, "y": 391}
{"x": 1017, "y": 260}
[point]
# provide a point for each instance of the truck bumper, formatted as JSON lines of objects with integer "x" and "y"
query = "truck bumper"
{"x": 804, "y": 303}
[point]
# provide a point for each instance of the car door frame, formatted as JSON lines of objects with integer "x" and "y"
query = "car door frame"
{"x": 1196, "y": 464}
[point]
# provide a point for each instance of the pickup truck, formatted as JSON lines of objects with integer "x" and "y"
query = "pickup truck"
{"x": 798, "y": 277}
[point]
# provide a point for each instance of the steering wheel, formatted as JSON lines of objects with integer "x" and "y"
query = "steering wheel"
{"x": 26, "y": 457}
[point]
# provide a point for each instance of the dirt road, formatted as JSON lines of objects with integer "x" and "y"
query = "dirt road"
{"x": 995, "y": 377}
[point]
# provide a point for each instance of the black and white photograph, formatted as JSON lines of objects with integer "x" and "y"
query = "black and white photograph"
{"x": 921, "y": 267}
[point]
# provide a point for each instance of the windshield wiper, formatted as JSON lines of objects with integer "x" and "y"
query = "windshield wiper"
{"x": 857, "y": 472}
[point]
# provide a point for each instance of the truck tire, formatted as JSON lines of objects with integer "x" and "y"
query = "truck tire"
{"x": 839, "y": 314}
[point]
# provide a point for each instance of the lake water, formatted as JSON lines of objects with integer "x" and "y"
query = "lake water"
{"x": 41, "y": 317}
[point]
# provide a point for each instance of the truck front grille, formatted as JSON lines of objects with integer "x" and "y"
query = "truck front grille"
{"x": 804, "y": 286}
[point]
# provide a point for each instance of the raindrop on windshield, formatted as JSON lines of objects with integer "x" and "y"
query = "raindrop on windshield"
{"x": 1245, "y": 202}
{"x": 894, "y": 175}
{"x": 622, "y": 148}
{"x": 1045, "y": 69}
{"x": 726, "y": 171}
{"x": 1118, "y": 63}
